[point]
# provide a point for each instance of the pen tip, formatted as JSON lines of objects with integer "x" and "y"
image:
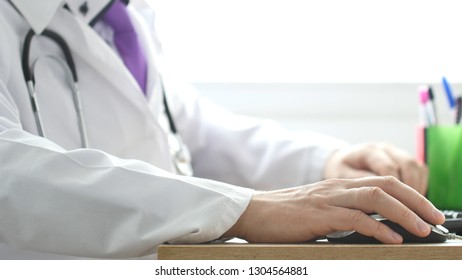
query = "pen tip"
{"x": 430, "y": 92}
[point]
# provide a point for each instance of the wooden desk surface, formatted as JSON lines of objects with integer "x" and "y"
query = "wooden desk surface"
{"x": 450, "y": 250}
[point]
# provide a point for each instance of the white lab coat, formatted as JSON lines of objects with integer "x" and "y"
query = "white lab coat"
{"x": 120, "y": 198}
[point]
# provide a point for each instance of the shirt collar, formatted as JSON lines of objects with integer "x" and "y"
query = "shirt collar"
{"x": 40, "y": 13}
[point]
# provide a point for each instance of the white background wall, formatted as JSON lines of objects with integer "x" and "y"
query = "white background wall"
{"x": 300, "y": 41}
{"x": 351, "y": 111}
{"x": 349, "y": 68}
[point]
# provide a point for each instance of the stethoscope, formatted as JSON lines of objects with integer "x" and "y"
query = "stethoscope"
{"x": 70, "y": 72}
{"x": 178, "y": 150}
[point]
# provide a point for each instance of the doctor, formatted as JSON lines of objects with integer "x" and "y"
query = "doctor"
{"x": 107, "y": 179}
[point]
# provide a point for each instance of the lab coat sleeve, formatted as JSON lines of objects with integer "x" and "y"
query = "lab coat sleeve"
{"x": 245, "y": 150}
{"x": 87, "y": 203}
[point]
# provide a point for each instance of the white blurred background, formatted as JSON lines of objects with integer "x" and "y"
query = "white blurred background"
{"x": 347, "y": 68}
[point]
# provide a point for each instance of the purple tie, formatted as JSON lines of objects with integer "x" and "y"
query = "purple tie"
{"x": 126, "y": 41}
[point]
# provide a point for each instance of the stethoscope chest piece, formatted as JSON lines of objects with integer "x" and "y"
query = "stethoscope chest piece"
{"x": 181, "y": 156}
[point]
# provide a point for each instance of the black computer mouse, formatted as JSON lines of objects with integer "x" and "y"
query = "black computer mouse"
{"x": 438, "y": 234}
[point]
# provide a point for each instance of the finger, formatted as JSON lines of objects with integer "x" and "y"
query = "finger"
{"x": 350, "y": 219}
{"x": 407, "y": 195}
{"x": 410, "y": 197}
{"x": 424, "y": 180}
{"x": 381, "y": 163}
{"x": 374, "y": 199}
{"x": 413, "y": 173}
{"x": 395, "y": 201}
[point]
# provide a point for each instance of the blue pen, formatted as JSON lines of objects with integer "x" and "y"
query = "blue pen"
{"x": 450, "y": 96}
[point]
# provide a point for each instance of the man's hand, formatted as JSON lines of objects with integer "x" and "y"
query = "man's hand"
{"x": 308, "y": 212}
{"x": 377, "y": 159}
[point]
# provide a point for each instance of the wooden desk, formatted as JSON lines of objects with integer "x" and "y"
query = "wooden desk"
{"x": 450, "y": 250}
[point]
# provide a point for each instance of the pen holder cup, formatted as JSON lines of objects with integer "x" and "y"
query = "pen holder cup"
{"x": 443, "y": 155}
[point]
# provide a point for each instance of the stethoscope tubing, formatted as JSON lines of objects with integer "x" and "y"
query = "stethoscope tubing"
{"x": 180, "y": 152}
{"x": 30, "y": 81}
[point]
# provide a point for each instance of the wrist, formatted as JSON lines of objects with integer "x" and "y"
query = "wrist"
{"x": 247, "y": 220}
